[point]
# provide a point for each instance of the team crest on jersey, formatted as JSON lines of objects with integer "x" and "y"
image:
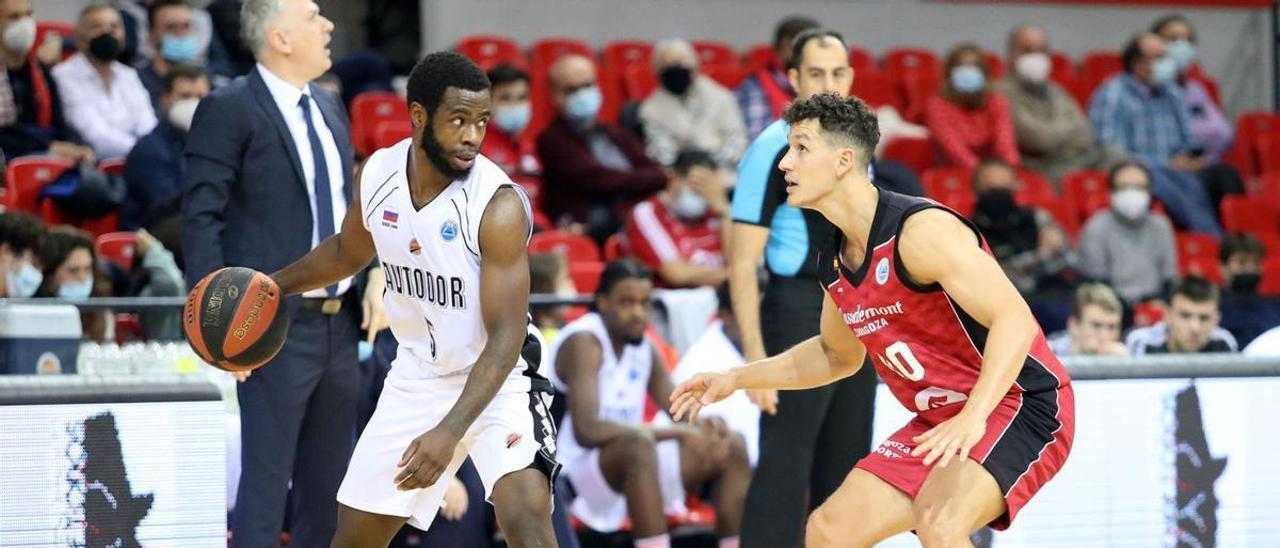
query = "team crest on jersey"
{"x": 414, "y": 247}
{"x": 882, "y": 271}
{"x": 449, "y": 231}
{"x": 390, "y": 217}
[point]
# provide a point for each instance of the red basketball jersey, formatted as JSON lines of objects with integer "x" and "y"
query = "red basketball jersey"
{"x": 925, "y": 347}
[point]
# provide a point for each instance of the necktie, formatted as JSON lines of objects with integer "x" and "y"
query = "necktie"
{"x": 324, "y": 197}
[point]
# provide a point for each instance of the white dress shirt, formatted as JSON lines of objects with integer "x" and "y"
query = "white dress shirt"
{"x": 109, "y": 119}
{"x": 287, "y": 97}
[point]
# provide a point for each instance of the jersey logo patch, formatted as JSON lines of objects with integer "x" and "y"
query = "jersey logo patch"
{"x": 512, "y": 440}
{"x": 390, "y": 217}
{"x": 882, "y": 271}
{"x": 414, "y": 247}
{"x": 449, "y": 231}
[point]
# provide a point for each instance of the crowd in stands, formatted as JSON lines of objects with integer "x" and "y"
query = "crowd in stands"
{"x": 1120, "y": 185}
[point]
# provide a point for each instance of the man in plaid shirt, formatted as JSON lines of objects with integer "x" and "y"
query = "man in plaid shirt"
{"x": 763, "y": 95}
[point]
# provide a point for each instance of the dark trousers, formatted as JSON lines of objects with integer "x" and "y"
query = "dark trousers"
{"x": 811, "y": 445}
{"x": 297, "y": 423}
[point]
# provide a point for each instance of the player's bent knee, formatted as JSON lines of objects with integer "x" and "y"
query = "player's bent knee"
{"x": 823, "y": 530}
{"x": 638, "y": 449}
{"x": 940, "y": 524}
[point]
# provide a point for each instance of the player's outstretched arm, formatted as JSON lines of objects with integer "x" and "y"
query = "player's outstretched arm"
{"x": 832, "y": 355}
{"x": 337, "y": 258}
{"x": 936, "y": 247}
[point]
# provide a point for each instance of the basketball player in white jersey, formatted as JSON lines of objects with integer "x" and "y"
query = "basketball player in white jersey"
{"x": 618, "y": 465}
{"x": 450, "y": 231}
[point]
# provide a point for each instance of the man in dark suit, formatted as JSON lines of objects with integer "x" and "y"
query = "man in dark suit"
{"x": 269, "y": 172}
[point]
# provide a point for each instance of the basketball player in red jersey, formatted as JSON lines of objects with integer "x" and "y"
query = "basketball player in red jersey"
{"x": 913, "y": 284}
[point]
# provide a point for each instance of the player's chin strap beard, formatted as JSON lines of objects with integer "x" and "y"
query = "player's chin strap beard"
{"x": 438, "y": 155}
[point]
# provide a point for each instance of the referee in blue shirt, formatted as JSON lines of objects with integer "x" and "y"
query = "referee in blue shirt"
{"x": 809, "y": 439}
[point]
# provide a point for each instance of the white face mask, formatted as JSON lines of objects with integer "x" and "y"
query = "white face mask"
{"x": 20, "y": 36}
{"x": 76, "y": 291}
{"x": 1131, "y": 203}
{"x": 24, "y": 281}
{"x": 182, "y": 112}
{"x": 1033, "y": 67}
{"x": 689, "y": 205}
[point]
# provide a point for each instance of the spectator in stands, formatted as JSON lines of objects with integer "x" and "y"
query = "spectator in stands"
{"x": 506, "y": 142}
{"x": 156, "y": 273}
{"x": 1094, "y": 324}
{"x": 1189, "y": 326}
{"x": 31, "y": 116}
{"x": 1030, "y": 246}
{"x": 71, "y": 273}
{"x": 224, "y": 17}
{"x": 763, "y": 95}
{"x": 690, "y": 110}
{"x": 1126, "y": 245}
{"x": 967, "y": 121}
{"x": 174, "y": 40}
{"x": 21, "y": 235}
{"x": 1053, "y": 134}
{"x": 1142, "y": 111}
{"x": 1209, "y": 127}
{"x": 593, "y": 171}
{"x": 619, "y": 465}
{"x": 678, "y": 232}
{"x": 155, "y": 168}
{"x": 1241, "y": 255}
{"x": 549, "y": 275}
{"x": 103, "y": 99}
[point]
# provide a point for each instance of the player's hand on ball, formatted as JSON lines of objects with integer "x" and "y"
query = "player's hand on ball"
{"x": 241, "y": 376}
{"x": 455, "y": 500}
{"x": 702, "y": 390}
{"x": 765, "y": 398}
{"x": 426, "y": 458}
{"x": 954, "y": 437}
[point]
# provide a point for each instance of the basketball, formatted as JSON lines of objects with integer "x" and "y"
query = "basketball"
{"x": 233, "y": 319}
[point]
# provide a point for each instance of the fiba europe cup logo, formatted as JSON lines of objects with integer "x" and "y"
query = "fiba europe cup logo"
{"x": 1193, "y": 511}
{"x": 99, "y": 498}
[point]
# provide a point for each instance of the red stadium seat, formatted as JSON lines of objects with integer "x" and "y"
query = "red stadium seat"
{"x": 367, "y": 110}
{"x": 62, "y": 28}
{"x": 862, "y": 61}
{"x": 1078, "y": 87}
{"x": 390, "y": 132}
{"x": 1062, "y": 66}
{"x": 1248, "y": 214}
{"x": 1098, "y": 65}
{"x": 624, "y": 53}
{"x": 1270, "y": 284}
{"x": 917, "y": 88}
{"x": 1248, "y": 126}
{"x": 1205, "y": 267}
{"x": 916, "y": 152}
{"x": 1268, "y": 189}
{"x": 901, "y": 61}
{"x": 617, "y": 58}
{"x": 963, "y": 201}
{"x": 1086, "y": 188}
{"x": 1036, "y": 188}
{"x": 728, "y": 76}
{"x": 638, "y": 82}
{"x": 1147, "y": 314}
{"x": 577, "y": 248}
{"x": 542, "y": 54}
{"x": 489, "y": 51}
{"x": 26, "y": 175}
{"x": 759, "y": 56}
{"x": 586, "y": 275}
{"x": 1064, "y": 212}
{"x": 1196, "y": 245}
{"x": 877, "y": 89}
{"x": 117, "y": 248}
{"x": 1266, "y": 151}
{"x": 614, "y": 248}
{"x": 542, "y": 222}
{"x": 1270, "y": 242}
{"x": 941, "y": 181}
{"x": 715, "y": 53}
{"x": 995, "y": 66}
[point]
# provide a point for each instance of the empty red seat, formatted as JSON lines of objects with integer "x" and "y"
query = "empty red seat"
{"x": 614, "y": 248}
{"x": 917, "y": 88}
{"x": 1086, "y": 189}
{"x": 117, "y": 248}
{"x": 1065, "y": 213}
{"x": 1061, "y": 66}
{"x": 1205, "y": 267}
{"x": 862, "y": 61}
{"x": 1266, "y": 151}
{"x": 367, "y": 110}
{"x": 576, "y": 247}
{"x": 638, "y": 82}
{"x": 941, "y": 181}
{"x": 1271, "y": 242}
{"x": 1098, "y": 65}
{"x": 900, "y": 61}
{"x": 759, "y": 56}
{"x": 715, "y": 53}
{"x": 26, "y": 175}
{"x": 1035, "y": 187}
{"x": 877, "y": 89}
{"x": 1268, "y": 189}
{"x": 1248, "y": 126}
{"x": 995, "y": 66}
{"x": 1080, "y": 88}
{"x": 1247, "y": 214}
{"x": 915, "y": 152}
{"x": 617, "y": 57}
{"x": 542, "y": 54}
{"x": 489, "y": 51}
{"x": 586, "y": 275}
{"x": 390, "y": 132}
{"x": 623, "y": 53}
{"x": 1196, "y": 245}
{"x": 963, "y": 201}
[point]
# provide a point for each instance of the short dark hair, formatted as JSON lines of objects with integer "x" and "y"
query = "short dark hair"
{"x": 621, "y": 269}
{"x": 1115, "y": 170}
{"x": 1196, "y": 289}
{"x": 797, "y": 50}
{"x": 1132, "y": 52}
{"x": 847, "y": 118}
{"x": 437, "y": 72}
{"x": 1158, "y": 26}
{"x": 182, "y": 72}
{"x": 1240, "y": 242}
{"x": 21, "y": 231}
{"x": 791, "y": 27}
{"x": 58, "y": 243}
{"x": 159, "y": 5}
{"x": 689, "y": 158}
{"x": 987, "y": 163}
{"x": 506, "y": 73}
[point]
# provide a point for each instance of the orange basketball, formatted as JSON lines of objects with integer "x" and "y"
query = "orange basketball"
{"x": 235, "y": 319}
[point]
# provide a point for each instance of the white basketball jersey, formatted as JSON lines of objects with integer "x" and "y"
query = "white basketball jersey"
{"x": 431, "y": 259}
{"x": 623, "y": 380}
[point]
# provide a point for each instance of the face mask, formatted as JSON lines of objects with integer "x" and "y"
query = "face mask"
{"x": 182, "y": 112}
{"x": 179, "y": 49}
{"x": 967, "y": 79}
{"x": 20, "y": 36}
{"x": 513, "y": 119}
{"x": 104, "y": 47}
{"x": 996, "y": 203}
{"x": 76, "y": 291}
{"x": 584, "y": 104}
{"x": 1130, "y": 203}
{"x": 1245, "y": 283}
{"x": 689, "y": 205}
{"x": 1165, "y": 70}
{"x": 1033, "y": 67}
{"x": 24, "y": 282}
{"x": 1183, "y": 53}
{"x": 676, "y": 79}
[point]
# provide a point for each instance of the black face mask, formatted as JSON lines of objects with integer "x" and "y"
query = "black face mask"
{"x": 996, "y": 204}
{"x": 104, "y": 47}
{"x": 1246, "y": 283}
{"x": 676, "y": 79}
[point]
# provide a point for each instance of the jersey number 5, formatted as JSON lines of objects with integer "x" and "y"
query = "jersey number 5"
{"x": 431, "y": 331}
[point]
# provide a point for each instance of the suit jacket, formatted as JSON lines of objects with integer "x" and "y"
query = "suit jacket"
{"x": 245, "y": 200}
{"x": 574, "y": 180}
